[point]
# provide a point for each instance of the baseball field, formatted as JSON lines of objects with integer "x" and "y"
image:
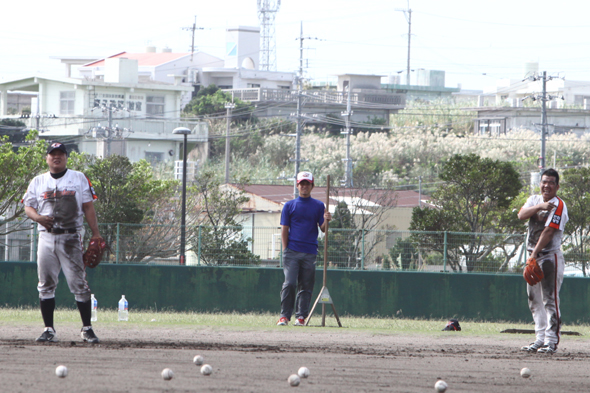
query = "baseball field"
{"x": 249, "y": 353}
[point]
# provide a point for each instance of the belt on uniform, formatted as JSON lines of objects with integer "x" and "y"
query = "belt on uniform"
{"x": 61, "y": 231}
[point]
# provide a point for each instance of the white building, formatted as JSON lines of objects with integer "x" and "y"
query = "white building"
{"x": 564, "y": 92}
{"x": 115, "y": 114}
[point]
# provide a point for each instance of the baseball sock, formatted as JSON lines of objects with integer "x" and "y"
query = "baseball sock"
{"x": 47, "y": 308}
{"x": 85, "y": 309}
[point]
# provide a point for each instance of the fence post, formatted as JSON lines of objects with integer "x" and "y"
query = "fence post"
{"x": 117, "y": 253}
{"x": 445, "y": 253}
{"x": 199, "y": 248}
{"x": 363, "y": 251}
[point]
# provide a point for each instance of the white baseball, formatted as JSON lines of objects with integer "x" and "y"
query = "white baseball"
{"x": 198, "y": 360}
{"x": 525, "y": 372}
{"x": 303, "y": 372}
{"x": 294, "y": 380}
{"x": 441, "y": 386}
{"x": 206, "y": 369}
{"x": 61, "y": 371}
{"x": 167, "y": 374}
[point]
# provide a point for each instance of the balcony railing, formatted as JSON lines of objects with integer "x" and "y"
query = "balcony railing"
{"x": 384, "y": 99}
{"x": 82, "y": 124}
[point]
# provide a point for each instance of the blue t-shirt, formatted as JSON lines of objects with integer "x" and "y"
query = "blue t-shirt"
{"x": 302, "y": 216}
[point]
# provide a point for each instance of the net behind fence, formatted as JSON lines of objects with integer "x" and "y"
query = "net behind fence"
{"x": 347, "y": 248}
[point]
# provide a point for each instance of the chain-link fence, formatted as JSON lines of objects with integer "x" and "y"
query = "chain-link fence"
{"x": 346, "y": 249}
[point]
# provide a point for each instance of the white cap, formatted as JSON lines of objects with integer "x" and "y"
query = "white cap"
{"x": 304, "y": 176}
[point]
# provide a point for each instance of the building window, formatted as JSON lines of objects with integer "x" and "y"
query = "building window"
{"x": 66, "y": 102}
{"x": 253, "y": 85}
{"x": 154, "y": 105}
{"x": 225, "y": 87}
{"x": 285, "y": 87}
{"x": 154, "y": 157}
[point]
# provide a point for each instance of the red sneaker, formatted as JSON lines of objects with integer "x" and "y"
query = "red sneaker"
{"x": 283, "y": 321}
{"x": 300, "y": 322}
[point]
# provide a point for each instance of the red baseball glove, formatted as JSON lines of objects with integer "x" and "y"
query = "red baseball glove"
{"x": 532, "y": 272}
{"x": 93, "y": 254}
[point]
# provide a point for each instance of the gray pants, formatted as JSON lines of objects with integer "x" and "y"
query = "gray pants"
{"x": 61, "y": 252}
{"x": 544, "y": 299}
{"x": 299, "y": 269}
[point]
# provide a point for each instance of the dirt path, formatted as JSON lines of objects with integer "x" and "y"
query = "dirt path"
{"x": 130, "y": 360}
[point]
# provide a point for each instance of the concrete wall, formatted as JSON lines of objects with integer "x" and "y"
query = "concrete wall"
{"x": 383, "y": 294}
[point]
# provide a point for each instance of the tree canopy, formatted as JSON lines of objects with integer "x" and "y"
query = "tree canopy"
{"x": 18, "y": 166}
{"x": 575, "y": 191}
{"x": 210, "y": 101}
{"x": 478, "y": 196}
{"x": 217, "y": 226}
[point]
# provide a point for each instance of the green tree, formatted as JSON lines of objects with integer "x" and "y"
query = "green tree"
{"x": 405, "y": 250}
{"x": 475, "y": 195}
{"x": 18, "y": 166}
{"x": 128, "y": 193}
{"x": 217, "y": 232}
{"x": 356, "y": 223}
{"x": 341, "y": 250}
{"x": 575, "y": 190}
{"x": 210, "y": 102}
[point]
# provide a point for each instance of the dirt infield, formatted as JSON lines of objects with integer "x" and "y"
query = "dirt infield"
{"x": 340, "y": 360}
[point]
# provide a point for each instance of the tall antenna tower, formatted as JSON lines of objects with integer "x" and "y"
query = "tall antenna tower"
{"x": 267, "y": 10}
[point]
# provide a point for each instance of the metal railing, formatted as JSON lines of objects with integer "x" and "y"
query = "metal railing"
{"x": 383, "y": 98}
{"x": 452, "y": 252}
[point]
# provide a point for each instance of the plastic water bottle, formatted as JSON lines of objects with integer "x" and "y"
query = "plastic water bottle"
{"x": 94, "y": 308}
{"x": 123, "y": 309}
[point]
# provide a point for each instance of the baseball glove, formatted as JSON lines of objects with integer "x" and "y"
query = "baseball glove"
{"x": 93, "y": 254}
{"x": 532, "y": 272}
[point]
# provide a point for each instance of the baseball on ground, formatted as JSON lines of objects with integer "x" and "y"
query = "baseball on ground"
{"x": 303, "y": 372}
{"x": 167, "y": 374}
{"x": 525, "y": 372}
{"x": 294, "y": 380}
{"x": 441, "y": 386}
{"x": 198, "y": 360}
{"x": 61, "y": 371}
{"x": 206, "y": 369}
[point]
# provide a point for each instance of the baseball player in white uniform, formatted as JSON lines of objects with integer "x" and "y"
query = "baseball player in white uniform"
{"x": 58, "y": 201}
{"x": 547, "y": 215}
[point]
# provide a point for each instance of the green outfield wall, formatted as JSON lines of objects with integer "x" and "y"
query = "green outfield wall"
{"x": 362, "y": 293}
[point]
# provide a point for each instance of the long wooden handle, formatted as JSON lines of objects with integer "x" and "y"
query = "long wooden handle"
{"x": 326, "y": 232}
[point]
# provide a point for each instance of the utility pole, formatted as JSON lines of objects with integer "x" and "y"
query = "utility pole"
{"x": 228, "y": 106}
{"x": 298, "y": 130}
{"x": 348, "y": 160}
{"x": 544, "y": 97}
{"x": 543, "y": 121}
{"x": 109, "y": 132}
{"x": 299, "y": 107}
{"x": 193, "y": 28}
{"x": 408, "y": 14}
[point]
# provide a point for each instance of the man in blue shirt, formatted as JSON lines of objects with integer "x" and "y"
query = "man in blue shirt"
{"x": 300, "y": 220}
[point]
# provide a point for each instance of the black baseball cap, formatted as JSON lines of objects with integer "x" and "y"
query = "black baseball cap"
{"x": 57, "y": 146}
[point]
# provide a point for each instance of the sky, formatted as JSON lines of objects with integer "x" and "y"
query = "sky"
{"x": 474, "y": 42}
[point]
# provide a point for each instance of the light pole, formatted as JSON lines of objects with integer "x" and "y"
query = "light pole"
{"x": 184, "y": 131}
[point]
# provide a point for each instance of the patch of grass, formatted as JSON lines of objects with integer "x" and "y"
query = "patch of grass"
{"x": 266, "y": 321}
